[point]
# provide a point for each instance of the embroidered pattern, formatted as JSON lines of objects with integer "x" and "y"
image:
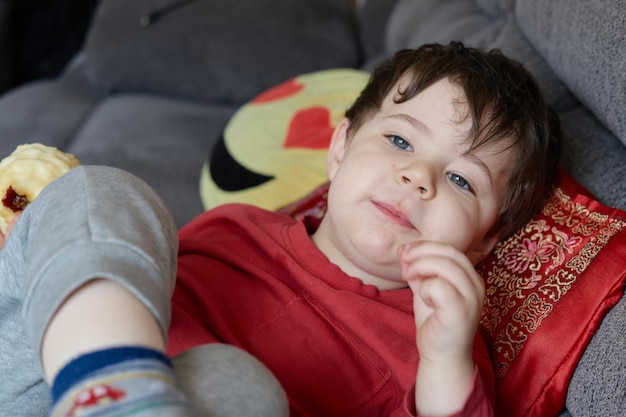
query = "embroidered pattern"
{"x": 535, "y": 268}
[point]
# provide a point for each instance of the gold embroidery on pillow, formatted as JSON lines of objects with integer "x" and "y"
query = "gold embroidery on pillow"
{"x": 535, "y": 268}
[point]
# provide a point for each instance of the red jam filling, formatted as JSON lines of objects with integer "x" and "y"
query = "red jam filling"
{"x": 14, "y": 201}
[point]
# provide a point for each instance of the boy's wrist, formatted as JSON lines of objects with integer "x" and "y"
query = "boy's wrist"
{"x": 443, "y": 386}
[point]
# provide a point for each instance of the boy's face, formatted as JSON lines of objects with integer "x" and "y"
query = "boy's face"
{"x": 405, "y": 176}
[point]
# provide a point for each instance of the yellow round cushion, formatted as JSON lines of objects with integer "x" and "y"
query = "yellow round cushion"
{"x": 274, "y": 148}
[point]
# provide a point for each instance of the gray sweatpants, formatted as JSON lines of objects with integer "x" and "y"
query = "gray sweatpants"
{"x": 103, "y": 222}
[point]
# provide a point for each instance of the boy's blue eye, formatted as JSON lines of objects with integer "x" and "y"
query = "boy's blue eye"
{"x": 460, "y": 181}
{"x": 401, "y": 143}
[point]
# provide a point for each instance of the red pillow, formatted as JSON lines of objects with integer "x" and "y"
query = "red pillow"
{"x": 548, "y": 287}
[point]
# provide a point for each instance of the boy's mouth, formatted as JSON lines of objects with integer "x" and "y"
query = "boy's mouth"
{"x": 395, "y": 215}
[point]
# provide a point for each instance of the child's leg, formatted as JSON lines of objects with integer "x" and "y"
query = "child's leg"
{"x": 95, "y": 222}
{"x": 225, "y": 381}
{"x": 98, "y": 257}
{"x": 93, "y": 260}
{"x": 23, "y": 391}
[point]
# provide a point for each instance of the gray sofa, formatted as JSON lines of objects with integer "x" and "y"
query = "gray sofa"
{"x": 157, "y": 80}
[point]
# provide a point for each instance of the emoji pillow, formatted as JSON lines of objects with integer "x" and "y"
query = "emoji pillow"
{"x": 273, "y": 150}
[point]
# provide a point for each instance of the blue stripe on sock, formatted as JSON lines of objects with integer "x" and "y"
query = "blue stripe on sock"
{"x": 79, "y": 368}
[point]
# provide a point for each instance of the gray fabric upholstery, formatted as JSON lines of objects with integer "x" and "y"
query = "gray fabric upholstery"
{"x": 162, "y": 140}
{"x": 225, "y": 381}
{"x": 217, "y": 44}
{"x": 49, "y": 111}
{"x": 598, "y": 386}
{"x": 373, "y": 15}
{"x": 583, "y": 48}
{"x": 594, "y": 156}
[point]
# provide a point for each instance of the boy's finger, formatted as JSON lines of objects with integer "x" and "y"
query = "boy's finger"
{"x": 440, "y": 295}
{"x": 467, "y": 282}
{"x": 437, "y": 297}
{"x": 420, "y": 249}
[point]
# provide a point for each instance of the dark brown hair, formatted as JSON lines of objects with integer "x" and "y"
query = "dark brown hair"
{"x": 505, "y": 105}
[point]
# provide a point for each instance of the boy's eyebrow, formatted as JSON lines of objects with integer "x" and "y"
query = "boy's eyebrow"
{"x": 417, "y": 125}
{"x": 470, "y": 157}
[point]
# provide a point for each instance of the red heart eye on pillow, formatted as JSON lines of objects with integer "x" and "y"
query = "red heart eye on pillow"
{"x": 310, "y": 129}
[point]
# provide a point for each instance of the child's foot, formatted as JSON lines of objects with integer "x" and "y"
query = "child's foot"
{"x": 126, "y": 381}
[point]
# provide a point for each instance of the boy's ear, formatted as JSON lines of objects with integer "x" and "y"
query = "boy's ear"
{"x": 337, "y": 148}
{"x": 483, "y": 249}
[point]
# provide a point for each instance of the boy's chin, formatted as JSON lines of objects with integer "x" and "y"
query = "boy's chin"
{"x": 379, "y": 248}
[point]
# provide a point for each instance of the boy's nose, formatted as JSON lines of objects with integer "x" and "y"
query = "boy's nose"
{"x": 421, "y": 180}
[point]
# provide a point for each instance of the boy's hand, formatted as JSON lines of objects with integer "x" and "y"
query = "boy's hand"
{"x": 4, "y": 237}
{"x": 448, "y": 298}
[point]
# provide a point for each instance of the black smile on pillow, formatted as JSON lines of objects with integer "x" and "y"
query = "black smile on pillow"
{"x": 230, "y": 175}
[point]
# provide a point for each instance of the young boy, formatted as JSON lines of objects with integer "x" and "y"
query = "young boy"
{"x": 372, "y": 311}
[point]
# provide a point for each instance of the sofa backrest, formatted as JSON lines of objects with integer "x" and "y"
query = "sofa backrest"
{"x": 584, "y": 44}
{"x": 219, "y": 50}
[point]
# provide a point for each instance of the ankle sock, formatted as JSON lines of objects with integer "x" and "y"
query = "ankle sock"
{"x": 121, "y": 381}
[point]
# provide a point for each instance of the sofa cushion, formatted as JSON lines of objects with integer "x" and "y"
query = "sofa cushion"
{"x": 44, "y": 111}
{"x": 163, "y": 141}
{"x": 548, "y": 288}
{"x": 218, "y": 50}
